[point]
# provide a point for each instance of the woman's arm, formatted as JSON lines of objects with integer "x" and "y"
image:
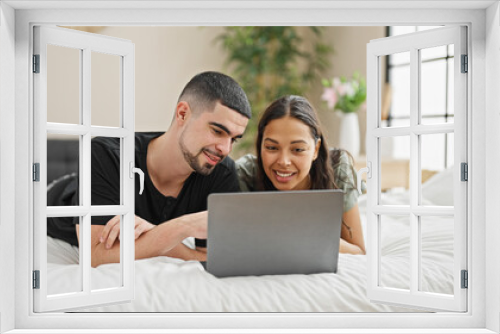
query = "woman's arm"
{"x": 352, "y": 241}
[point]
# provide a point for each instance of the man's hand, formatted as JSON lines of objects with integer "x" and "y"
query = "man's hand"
{"x": 164, "y": 240}
{"x": 201, "y": 249}
{"x": 111, "y": 230}
{"x": 195, "y": 224}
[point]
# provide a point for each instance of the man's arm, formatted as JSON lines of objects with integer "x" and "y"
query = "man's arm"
{"x": 159, "y": 241}
{"x": 183, "y": 252}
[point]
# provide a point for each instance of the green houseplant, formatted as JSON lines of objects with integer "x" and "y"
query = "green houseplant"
{"x": 270, "y": 62}
{"x": 343, "y": 94}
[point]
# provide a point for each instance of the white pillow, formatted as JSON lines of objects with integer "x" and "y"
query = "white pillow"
{"x": 438, "y": 189}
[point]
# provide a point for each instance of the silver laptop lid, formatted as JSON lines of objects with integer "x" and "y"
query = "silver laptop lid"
{"x": 274, "y": 233}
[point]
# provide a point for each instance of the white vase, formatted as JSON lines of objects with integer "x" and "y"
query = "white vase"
{"x": 349, "y": 133}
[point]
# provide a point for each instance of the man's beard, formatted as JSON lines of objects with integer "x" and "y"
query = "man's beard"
{"x": 193, "y": 159}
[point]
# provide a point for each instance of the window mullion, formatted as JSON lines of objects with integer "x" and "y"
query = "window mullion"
{"x": 127, "y": 121}
{"x": 85, "y": 172}
{"x": 414, "y": 170}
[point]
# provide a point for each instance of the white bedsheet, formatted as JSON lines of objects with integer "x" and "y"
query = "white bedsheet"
{"x": 171, "y": 285}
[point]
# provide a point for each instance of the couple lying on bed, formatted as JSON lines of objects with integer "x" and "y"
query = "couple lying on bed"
{"x": 188, "y": 162}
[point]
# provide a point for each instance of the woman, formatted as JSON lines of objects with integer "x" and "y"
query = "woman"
{"x": 292, "y": 154}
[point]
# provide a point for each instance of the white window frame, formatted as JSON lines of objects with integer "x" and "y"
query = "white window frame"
{"x": 413, "y": 43}
{"x": 86, "y": 44}
{"x": 483, "y": 308}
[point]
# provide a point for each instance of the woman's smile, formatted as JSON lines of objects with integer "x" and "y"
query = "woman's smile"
{"x": 287, "y": 155}
{"x": 284, "y": 176}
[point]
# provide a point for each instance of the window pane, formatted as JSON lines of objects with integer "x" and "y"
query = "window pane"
{"x": 63, "y": 161}
{"x": 436, "y": 152}
{"x": 106, "y": 89}
{"x": 402, "y": 58}
{"x": 436, "y": 262}
{"x": 432, "y": 53}
{"x": 106, "y": 166}
{"x": 433, "y": 89}
{"x": 394, "y": 251}
{"x": 399, "y": 122}
{"x": 400, "y": 94}
{"x": 63, "y": 84}
{"x": 450, "y": 150}
{"x": 395, "y": 170}
{"x": 437, "y": 85}
{"x": 437, "y": 120}
{"x": 451, "y": 87}
{"x": 108, "y": 275}
{"x": 63, "y": 269}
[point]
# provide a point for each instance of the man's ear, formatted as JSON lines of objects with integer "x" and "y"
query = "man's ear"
{"x": 182, "y": 113}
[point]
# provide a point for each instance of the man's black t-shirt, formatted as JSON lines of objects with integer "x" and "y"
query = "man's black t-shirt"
{"x": 151, "y": 205}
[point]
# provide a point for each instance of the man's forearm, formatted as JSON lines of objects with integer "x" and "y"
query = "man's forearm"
{"x": 156, "y": 242}
{"x": 181, "y": 251}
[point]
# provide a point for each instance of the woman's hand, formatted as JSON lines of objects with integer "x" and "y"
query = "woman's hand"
{"x": 111, "y": 230}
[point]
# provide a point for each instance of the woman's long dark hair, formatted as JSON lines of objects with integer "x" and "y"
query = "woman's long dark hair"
{"x": 298, "y": 107}
{"x": 322, "y": 176}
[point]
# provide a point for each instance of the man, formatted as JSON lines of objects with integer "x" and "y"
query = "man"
{"x": 182, "y": 167}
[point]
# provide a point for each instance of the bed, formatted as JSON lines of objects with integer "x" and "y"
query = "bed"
{"x": 166, "y": 284}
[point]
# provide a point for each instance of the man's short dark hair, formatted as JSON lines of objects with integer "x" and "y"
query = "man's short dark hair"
{"x": 205, "y": 89}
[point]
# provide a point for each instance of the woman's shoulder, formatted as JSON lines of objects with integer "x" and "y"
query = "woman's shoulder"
{"x": 345, "y": 157}
{"x": 342, "y": 161}
{"x": 345, "y": 176}
{"x": 246, "y": 166}
{"x": 246, "y": 160}
{"x": 343, "y": 169}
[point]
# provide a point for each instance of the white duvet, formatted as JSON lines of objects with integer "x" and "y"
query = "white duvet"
{"x": 165, "y": 284}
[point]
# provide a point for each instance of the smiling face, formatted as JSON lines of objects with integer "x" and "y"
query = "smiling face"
{"x": 208, "y": 137}
{"x": 287, "y": 151}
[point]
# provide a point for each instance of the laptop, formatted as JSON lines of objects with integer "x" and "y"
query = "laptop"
{"x": 274, "y": 232}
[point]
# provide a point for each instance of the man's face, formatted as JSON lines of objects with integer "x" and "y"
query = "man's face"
{"x": 208, "y": 137}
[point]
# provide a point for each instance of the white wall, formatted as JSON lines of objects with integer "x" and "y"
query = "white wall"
{"x": 350, "y": 56}
{"x": 7, "y": 169}
{"x": 492, "y": 163}
{"x": 167, "y": 57}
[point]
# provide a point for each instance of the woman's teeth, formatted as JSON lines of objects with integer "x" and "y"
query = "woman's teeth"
{"x": 284, "y": 174}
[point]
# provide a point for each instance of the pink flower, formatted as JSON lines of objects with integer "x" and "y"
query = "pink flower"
{"x": 345, "y": 88}
{"x": 330, "y": 96}
{"x": 348, "y": 89}
{"x": 336, "y": 82}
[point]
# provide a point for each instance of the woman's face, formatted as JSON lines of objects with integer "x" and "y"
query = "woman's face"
{"x": 287, "y": 152}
